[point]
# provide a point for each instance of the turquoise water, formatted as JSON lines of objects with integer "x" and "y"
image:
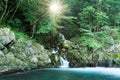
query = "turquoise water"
{"x": 66, "y": 74}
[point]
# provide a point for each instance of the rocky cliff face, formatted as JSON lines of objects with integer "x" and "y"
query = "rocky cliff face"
{"x": 17, "y": 53}
{"x": 81, "y": 56}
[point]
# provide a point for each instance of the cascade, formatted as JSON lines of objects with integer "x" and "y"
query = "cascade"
{"x": 63, "y": 63}
{"x": 54, "y": 51}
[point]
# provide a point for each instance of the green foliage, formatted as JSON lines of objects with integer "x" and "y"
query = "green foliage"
{"x": 23, "y": 36}
{"x": 15, "y": 22}
{"x": 87, "y": 19}
{"x": 98, "y": 40}
{"x": 32, "y": 10}
{"x": 44, "y": 29}
{"x": 44, "y": 26}
{"x": 102, "y": 18}
{"x": 20, "y": 34}
{"x": 90, "y": 42}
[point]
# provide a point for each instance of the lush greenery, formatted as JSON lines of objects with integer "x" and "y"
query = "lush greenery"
{"x": 94, "y": 24}
{"x": 33, "y": 16}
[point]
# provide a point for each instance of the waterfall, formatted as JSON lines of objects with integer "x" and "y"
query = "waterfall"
{"x": 63, "y": 63}
{"x": 54, "y": 51}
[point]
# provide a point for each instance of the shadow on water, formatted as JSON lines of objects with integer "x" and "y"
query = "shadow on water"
{"x": 66, "y": 74}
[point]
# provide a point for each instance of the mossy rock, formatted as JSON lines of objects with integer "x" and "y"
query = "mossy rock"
{"x": 67, "y": 44}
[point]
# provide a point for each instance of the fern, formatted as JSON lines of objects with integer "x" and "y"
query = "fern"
{"x": 89, "y": 41}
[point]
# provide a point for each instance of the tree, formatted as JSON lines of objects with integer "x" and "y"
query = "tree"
{"x": 4, "y": 8}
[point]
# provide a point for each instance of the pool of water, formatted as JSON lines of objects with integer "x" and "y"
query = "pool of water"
{"x": 66, "y": 74}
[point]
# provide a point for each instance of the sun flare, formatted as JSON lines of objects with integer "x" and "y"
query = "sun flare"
{"x": 55, "y": 7}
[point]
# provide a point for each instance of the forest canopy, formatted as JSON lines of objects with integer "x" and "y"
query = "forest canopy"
{"x": 81, "y": 18}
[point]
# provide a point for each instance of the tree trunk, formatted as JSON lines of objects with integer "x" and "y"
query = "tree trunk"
{"x": 36, "y": 22}
{"x": 33, "y": 29}
{"x": 15, "y": 9}
{"x": 6, "y": 5}
{"x": 98, "y": 10}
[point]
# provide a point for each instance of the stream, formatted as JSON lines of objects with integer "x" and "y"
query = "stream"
{"x": 98, "y": 73}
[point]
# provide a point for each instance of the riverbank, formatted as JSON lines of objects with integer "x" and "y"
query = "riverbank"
{"x": 19, "y": 53}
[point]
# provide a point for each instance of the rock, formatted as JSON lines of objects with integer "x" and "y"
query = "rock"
{"x": 115, "y": 48}
{"x": 34, "y": 59}
{"x": 23, "y": 54}
{"x": 4, "y": 31}
{"x": 12, "y": 36}
{"x": 33, "y": 48}
{"x": 6, "y": 36}
{"x": 1, "y": 54}
{"x": 1, "y": 46}
{"x": 5, "y": 50}
{"x": 44, "y": 57}
{"x": 39, "y": 47}
{"x": 28, "y": 69}
{"x": 10, "y": 57}
{"x": 28, "y": 43}
{"x": 67, "y": 44}
{"x": 33, "y": 54}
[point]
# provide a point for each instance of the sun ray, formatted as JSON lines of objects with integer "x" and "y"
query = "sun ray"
{"x": 55, "y": 7}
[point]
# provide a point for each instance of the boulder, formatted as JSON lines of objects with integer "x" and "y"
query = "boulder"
{"x": 31, "y": 48}
{"x": 115, "y": 48}
{"x": 21, "y": 55}
{"x": 1, "y": 54}
{"x": 1, "y": 46}
{"x": 67, "y": 44}
{"x": 32, "y": 53}
{"x": 34, "y": 59}
{"x": 6, "y": 36}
